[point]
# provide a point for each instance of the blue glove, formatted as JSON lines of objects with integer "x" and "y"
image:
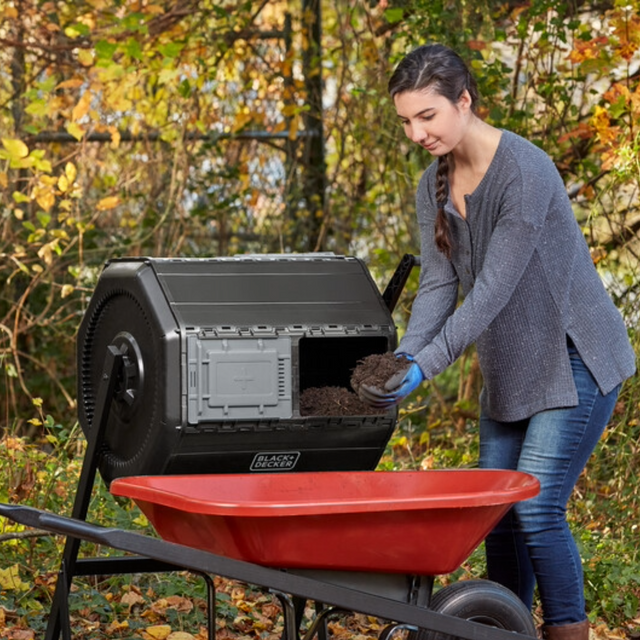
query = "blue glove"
{"x": 396, "y": 388}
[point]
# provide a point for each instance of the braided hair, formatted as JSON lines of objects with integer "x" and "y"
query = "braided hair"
{"x": 442, "y": 70}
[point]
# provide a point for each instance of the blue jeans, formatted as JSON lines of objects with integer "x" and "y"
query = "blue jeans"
{"x": 532, "y": 543}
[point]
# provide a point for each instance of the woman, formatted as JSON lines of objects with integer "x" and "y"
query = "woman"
{"x": 495, "y": 220}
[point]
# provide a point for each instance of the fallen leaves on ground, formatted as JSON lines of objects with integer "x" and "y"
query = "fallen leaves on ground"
{"x": 244, "y": 613}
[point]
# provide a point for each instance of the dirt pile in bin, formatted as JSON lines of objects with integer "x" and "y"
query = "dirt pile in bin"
{"x": 374, "y": 371}
{"x": 333, "y": 401}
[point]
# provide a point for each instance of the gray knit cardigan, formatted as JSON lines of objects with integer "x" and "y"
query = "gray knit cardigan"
{"x": 528, "y": 283}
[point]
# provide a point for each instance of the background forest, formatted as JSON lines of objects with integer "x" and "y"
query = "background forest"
{"x": 218, "y": 127}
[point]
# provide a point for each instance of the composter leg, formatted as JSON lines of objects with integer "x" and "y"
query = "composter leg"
{"x": 60, "y": 605}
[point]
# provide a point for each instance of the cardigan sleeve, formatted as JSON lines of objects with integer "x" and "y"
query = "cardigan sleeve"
{"x": 437, "y": 293}
{"x": 523, "y": 206}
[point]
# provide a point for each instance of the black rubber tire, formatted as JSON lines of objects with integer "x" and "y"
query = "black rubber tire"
{"x": 481, "y": 601}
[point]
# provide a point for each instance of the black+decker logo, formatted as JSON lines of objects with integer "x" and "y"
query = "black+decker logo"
{"x": 275, "y": 461}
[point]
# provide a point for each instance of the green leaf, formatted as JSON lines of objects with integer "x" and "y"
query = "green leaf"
{"x": 105, "y": 50}
{"x": 20, "y": 197}
{"x": 38, "y": 108}
{"x": 77, "y": 29}
{"x": 135, "y": 22}
{"x": 184, "y": 88}
{"x": 43, "y": 218}
{"x": 394, "y": 15}
{"x": 48, "y": 84}
{"x": 133, "y": 49}
{"x": 171, "y": 50}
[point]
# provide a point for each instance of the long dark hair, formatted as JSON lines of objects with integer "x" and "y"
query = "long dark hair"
{"x": 442, "y": 70}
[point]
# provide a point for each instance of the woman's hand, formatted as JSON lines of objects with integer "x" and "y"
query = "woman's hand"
{"x": 396, "y": 388}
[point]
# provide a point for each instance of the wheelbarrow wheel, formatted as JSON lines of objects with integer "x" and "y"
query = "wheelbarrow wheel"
{"x": 480, "y": 601}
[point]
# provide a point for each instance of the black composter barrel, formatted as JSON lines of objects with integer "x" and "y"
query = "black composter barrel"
{"x": 216, "y": 353}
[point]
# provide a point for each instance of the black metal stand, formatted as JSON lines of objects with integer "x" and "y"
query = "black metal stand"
{"x": 72, "y": 566}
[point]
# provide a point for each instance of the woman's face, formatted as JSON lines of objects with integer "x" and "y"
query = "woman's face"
{"x": 433, "y": 121}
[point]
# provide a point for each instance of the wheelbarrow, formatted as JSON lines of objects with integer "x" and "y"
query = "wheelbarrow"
{"x": 349, "y": 539}
{"x": 369, "y": 542}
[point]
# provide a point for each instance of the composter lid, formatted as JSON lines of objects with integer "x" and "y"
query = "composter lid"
{"x": 270, "y": 290}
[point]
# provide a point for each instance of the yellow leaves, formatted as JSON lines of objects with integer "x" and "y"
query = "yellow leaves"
{"x": 115, "y": 136}
{"x": 17, "y": 152}
{"x": 110, "y": 202}
{"x": 63, "y": 183}
{"x": 167, "y": 76}
{"x": 44, "y": 195}
{"x": 99, "y": 5}
{"x": 158, "y": 610}
{"x": 117, "y": 627}
{"x": 75, "y": 130}
{"x": 10, "y": 579}
{"x": 157, "y": 632}
{"x": 85, "y": 57}
{"x": 44, "y": 192}
{"x": 152, "y": 8}
{"x": 46, "y": 251}
{"x": 11, "y": 443}
{"x": 15, "y": 148}
{"x": 66, "y": 179}
{"x": 293, "y": 129}
{"x": 70, "y": 172}
{"x": 10, "y": 13}
{"x": 141, "y": 521}
{"x": 163, "y": 632}
{"x": 82, "y": 108}
{"x": 601, "y": 123}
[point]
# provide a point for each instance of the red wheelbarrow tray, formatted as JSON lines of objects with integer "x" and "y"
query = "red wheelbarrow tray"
{"x": 411, "y": 522}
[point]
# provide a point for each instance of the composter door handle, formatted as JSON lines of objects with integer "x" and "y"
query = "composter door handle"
{"x": 392, "y": 293}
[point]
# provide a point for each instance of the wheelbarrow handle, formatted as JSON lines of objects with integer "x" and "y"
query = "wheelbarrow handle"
{"x": 392, "y": 293}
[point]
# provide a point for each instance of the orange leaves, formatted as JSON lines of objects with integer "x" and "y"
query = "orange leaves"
{"x": 82, "y": 108}
{"x": 587, "y": 50}
{"x": 616, "y": 118}
{"x": 614, "y": 123}
{"x": 623, "y": 41}
{"x": 626, "y": 30}
{"x": 601, "y": 123}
